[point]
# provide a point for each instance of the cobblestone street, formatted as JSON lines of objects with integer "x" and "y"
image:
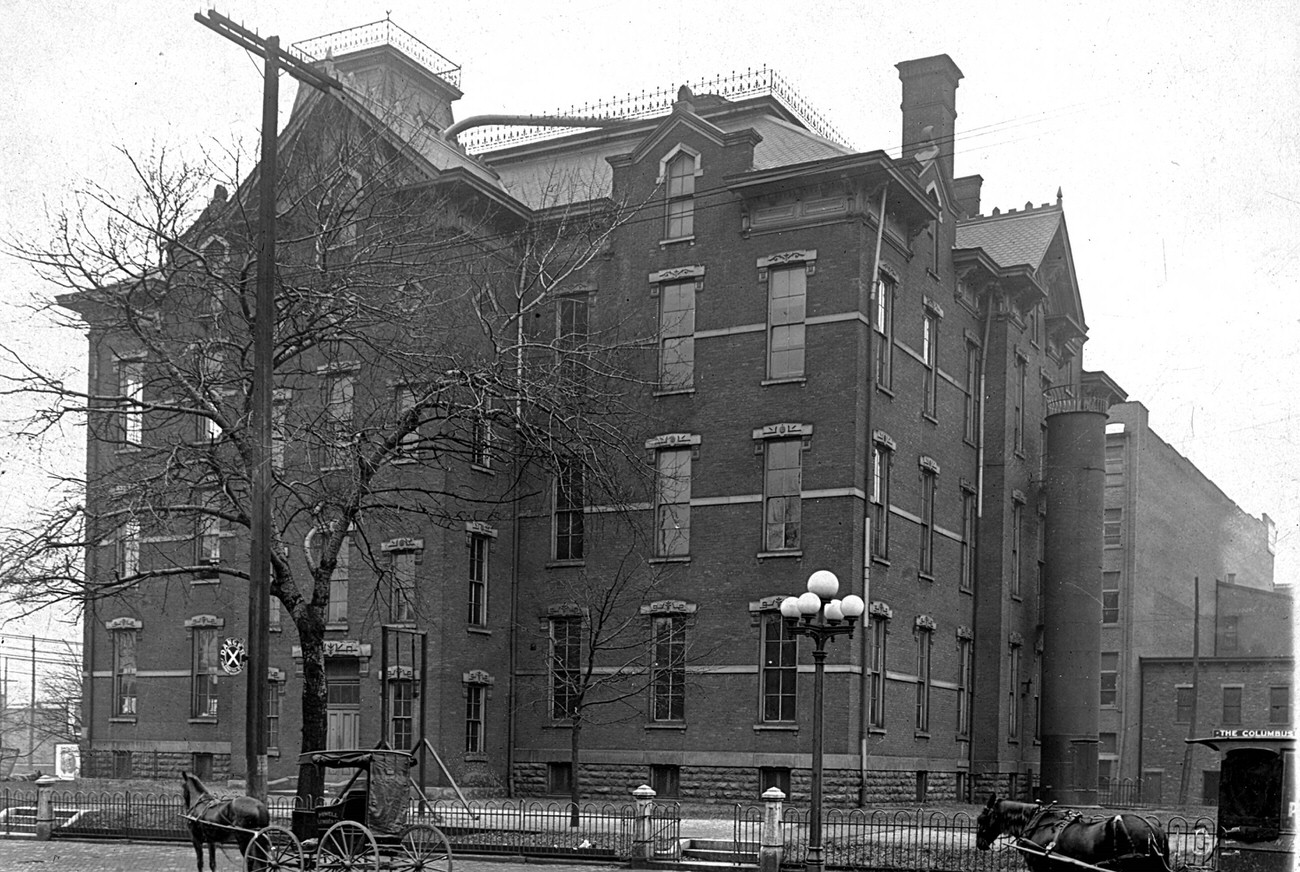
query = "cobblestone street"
{"x": 121, "y": 856}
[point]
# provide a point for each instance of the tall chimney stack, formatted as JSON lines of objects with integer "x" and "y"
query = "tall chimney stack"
{"x": 930, "y": 100}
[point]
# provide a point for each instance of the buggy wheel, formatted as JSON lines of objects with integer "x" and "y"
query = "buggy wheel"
{"x": 347, "y": 847}
{"x": 422, "y": 847}
{"x": 273, "y": 849}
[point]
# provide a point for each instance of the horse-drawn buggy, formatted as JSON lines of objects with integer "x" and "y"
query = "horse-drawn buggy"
{"x": 365, "y": 827}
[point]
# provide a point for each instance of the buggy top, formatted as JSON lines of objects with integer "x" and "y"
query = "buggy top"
{"x": 383, "y": 803}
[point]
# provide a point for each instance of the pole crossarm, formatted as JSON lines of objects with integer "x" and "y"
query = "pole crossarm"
{"x": 246, "y": 38}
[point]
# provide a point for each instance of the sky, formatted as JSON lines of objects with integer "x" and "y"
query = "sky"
{"x": 1171, "y": 128}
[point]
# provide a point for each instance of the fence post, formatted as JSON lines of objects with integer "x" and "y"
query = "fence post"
{"x": 45, "y": 807}
{"x": 643, "y": 841}
{"x": 772, "y": 841}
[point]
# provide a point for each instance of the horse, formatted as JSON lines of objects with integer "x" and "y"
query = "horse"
{"x": 1125, "y": 842}
{"x": 214, "y": 819}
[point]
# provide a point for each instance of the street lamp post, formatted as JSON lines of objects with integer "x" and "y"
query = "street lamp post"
{"x": 819, "y": 616}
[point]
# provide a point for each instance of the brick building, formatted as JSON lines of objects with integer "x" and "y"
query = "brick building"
{"x": 853, "y": 368}
{"x": 1166, "y": 525}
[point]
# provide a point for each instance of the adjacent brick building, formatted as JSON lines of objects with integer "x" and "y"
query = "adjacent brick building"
{"x": 1166, "y": 526}
{"x": 855, "y": 368}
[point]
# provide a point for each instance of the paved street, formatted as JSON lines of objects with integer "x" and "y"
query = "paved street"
{"x": 21, "y": 855}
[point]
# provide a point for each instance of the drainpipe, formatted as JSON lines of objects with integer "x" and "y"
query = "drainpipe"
{"x": 513, "y": 639}
{"x": 979, "y": 516}
{"x": 864, "y": 717}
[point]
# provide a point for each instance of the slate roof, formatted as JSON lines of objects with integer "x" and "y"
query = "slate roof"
{"x": 1013, "y": 238}
{"x": 784, "y": 144}
{"x": 569, "y": 175}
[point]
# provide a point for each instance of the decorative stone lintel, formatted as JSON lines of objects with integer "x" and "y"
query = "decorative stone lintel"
{"x": 965, "y": 633}
{"x": 402, "y": 543}
{"x": 782, "y": 258}
{"x": 1018, "y": 496}
{"x": 676, "y": 274}
{"x": 477, "y": 676}
{"x": 928, "y": 462}
{"x": 1015, "y": 640}
{"x": 880, "y": 610}
{"x": 880, "y": 437}
{"x": 781, "y": 431}
{"x": 123, "y": 624}
{"x": 669, "y": 607}
{"x": 479, "y": 528}
{"x": 672, "y": 440}
{"x": 205, "y": 621}
{"x": 925, "y": 622}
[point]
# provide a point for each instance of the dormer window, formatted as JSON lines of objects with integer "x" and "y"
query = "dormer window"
{"x": 680, "y": 171}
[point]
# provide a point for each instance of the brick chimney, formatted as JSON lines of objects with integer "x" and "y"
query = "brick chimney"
{"x": 930, "y": 100}
{"x": 966, "y": 191}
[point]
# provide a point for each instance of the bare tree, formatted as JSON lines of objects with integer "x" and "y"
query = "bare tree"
{"x": 409, "y": 338}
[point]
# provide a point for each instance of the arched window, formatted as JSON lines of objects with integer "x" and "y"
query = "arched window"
{"x": 679, "y": 184}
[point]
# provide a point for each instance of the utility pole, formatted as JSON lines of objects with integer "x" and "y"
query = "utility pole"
{"x": 259, "y": 586}
{"x": 1196, "y": 690}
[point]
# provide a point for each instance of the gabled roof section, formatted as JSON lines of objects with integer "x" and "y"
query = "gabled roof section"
{"x": 1013, "y": 238}
{"x": 1032, "y": 246}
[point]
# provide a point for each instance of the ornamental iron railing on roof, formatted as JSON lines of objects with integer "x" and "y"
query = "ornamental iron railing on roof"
{"x": 648, "y": 104}
{"x": 1066, "y": 398}
{"x": 378, "y": 33}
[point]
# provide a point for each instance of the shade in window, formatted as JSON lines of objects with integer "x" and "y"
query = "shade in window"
{"x": 1279, "y": 704}
{"x": 924, "y": 640}
{"x": 668, "y": 669}
{"x": 929, "y": 489}
{"x": 780, "y": 666}
{"x": 337, "y": 425}
{"x": 1183, "y": 699}
{"x": 786, "y": 311}
{"x": 128, "y": 549}
{"x": 1109, "y": 678}
{"x": 677, "y": 336}
{"x": 884, "y": 325}
{"x": 273, "y": 691}
{"x": 568, "y": 513}
{"x": 965, "y": 670}
{"x": 572, "y": 334}
{"x": 1110, "y": 597}
{"x": 403, "y": 596}
{"x": 1017, "y": 522}
{"x": 1112, "y": 523}
{"x": 130, "y": 386}
{"x": 478, "y": 579}
{"x": 673, "y": 502}
{"x": 338, "y": 607}
{"x": 474, "y": 717}
{"x": 882, "y": 459}
{"x": 969, "y": 513}
{"x": 565, "y": 665}
{"x": 1231, "y": 705}
{"x": 781, "y": 494}
{"x": 879, "y": 626}
{"x": 1019, "y": 412}
{"x": 203, "y": 672}
{"x": 124, "y": 672}
{"x": 970, "y": 403}
{"x": 1013, "y": 692}
{"x": 930, "y": 360}
{"x": 681, "y": 193}
{"x": 401, "y": 702}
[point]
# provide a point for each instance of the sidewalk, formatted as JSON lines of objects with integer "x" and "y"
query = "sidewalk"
{"x": 17, "y": 855}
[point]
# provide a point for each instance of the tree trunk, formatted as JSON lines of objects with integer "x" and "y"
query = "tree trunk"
{"x": 311, "y": 638}
{"x": 575, "y": 790}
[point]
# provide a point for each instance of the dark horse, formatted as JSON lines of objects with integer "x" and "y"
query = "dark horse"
{"x": 1126, "y": 842}
{"x": 214, "y": 819}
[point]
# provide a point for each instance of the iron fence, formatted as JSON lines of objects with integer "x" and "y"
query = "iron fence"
{"x": 936, "y": 841}
{"x": 541, "y": 829}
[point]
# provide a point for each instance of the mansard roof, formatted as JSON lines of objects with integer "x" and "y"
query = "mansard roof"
{"x": 1012, "y": 238}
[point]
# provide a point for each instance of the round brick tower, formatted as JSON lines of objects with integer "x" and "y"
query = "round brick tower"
{"x": 1075, "y": 479}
